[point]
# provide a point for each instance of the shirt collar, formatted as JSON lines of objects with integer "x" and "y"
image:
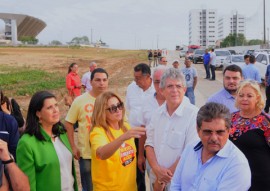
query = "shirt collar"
{"x": 223, "y": 153}
{"x": 227, "y": 94}
{"x": 179, "y": 111}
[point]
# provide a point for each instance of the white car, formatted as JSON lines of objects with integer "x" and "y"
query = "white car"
{"x": 234, "y": 59}
{"x": 262, "y": 61}
{"x": 182, "y": 53}
{"x": 221, "y": 55}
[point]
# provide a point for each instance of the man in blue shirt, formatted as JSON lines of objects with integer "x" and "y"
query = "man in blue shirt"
{"x": 214, "y": 163}
{"x": 267, "y": 89}
{"x": 232, "y": 75}
{"x": 250, "y": 71}
{"x": 206, "y": 63}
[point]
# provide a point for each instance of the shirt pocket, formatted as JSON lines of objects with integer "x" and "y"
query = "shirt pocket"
{"x": 208, "y": 184}
{"x": 176, "y": 140}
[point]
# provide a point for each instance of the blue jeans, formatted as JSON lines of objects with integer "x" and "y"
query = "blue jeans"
{"x": 190, "y": 94}
{"x": 86, "y": 177}
{"x": 207, "y": 70}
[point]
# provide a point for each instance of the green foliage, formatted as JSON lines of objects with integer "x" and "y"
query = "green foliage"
{"x": 55, "y": 43}
{"x": 234, "y": 40}
{"x": 23, "y": 81}
{"x": 28, "y": 40}
{"x": 80, "y": 40}
{"x": 255, "y": 42}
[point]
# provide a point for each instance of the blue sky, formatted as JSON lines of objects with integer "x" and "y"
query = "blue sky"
{"x": 130, "y": 24}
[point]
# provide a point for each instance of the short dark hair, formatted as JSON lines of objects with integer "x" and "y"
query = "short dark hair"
{"x": 213, "y": 49}
{"x": 32, "y": 120}
{"x": 233, "y": 68}
{"x": 246, "y": 56}
{"x": 252, "y": 59}
{"x": 144, "y": 68}
{"x": 211, "y": 111}
{"x": 98, "y": 70}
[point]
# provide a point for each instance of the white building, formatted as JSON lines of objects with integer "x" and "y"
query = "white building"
{"x": 231, "y": 24}
{"x": 203, "y": 27}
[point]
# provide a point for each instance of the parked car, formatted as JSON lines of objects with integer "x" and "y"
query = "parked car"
{"x": 182, "y": 53}
{"x": 249, "y": 52}
{"x": 198, "y": 55}
{"x": 262, "y": 61}
{"x": 232, "y": 52}
{"x": 221, "y": 55}
{"x": 234, "y": 59}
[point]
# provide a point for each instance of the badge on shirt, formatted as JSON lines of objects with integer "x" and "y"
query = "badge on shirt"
{"x": 127, "y": 154}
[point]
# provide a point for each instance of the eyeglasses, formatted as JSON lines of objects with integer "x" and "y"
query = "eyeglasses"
{"x": 113, "y": 109}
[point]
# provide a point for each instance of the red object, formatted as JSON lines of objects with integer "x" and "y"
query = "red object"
{"x": 73, "y": 84}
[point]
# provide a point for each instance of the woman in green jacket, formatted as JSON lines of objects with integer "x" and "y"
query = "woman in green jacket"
{"x": 44, "y": 153}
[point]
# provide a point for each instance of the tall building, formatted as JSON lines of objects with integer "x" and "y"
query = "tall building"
{"x": 17, "y": 25}
{"x": 203, "y": 27}
{"x": 231, "y": 24}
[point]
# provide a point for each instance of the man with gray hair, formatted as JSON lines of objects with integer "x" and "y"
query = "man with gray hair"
{"x": 86, "y": 77}
{"x": 214, "y": 163}
{"x": 171, "y": 128}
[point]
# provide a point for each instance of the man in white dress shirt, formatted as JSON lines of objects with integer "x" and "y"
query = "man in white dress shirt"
{"x": 140, "y": 88}
{"x": 86, "y": 77}
{"x": 172, "y": 127}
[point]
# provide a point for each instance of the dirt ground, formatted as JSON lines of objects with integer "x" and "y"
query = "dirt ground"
{"x": 119, "y": 65}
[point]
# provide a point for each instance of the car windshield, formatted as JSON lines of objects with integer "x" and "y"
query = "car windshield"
{"x": 238, "y": 58}
{"x": 199, "y": 51}
{"x": 222, "y": 53}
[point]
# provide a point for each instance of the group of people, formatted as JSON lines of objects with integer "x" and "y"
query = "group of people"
{"x": 223, "y": 145}
{"x": 209, "y": 62}
{"x": 155, "y": 56}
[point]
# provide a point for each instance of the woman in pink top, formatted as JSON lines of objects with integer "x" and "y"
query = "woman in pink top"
{"x": 73, "y": 81}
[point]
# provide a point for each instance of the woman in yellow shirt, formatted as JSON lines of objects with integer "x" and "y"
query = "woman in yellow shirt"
{"x": 112, "y": 146}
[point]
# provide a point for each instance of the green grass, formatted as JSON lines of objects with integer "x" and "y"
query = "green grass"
{"x": 23, "y": 81}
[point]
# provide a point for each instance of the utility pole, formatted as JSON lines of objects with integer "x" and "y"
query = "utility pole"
{"x": 264, "y": 35}
{"x": 157, "y": 41}
{"x": 91, "y": 36}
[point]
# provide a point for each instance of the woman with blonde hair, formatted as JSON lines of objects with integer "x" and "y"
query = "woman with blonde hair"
{"x": 112, "y": 146}
{"x": 250, "y": 132}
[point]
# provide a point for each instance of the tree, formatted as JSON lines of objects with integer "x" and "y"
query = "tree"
{"x": 55, "y": 43}
{"x": 255, "y": 42}
{"x": 234, "y": 40}
{"x": 28, "y": 40}
{"x": 80, "y": 40}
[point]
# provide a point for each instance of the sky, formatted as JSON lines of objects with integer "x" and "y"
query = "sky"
{"x": 131, "y": 24}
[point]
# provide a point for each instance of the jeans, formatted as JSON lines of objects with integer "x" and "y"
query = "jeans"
{"x": 267, "y": 103}
{"x": 206, "y": 66}
{"x": 213, "y": 71}
{"x": 86, "y": 177}
{"x": 190, "y": 94}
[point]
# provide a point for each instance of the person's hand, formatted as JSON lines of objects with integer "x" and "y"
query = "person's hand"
{"x": 163, "y": 175}
{"x": 159, "y": 186}
{"x": 76, "y": 153}
{"x": 5, "y": 109}
{"x": 141, "y": 163}
{"x": 4, "y": 154}
{"x": 135, "y": 132}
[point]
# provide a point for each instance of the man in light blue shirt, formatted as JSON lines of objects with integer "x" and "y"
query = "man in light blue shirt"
{"x": 214, "y": 163}
{"x": 250, "y": 71}
{"x": 232, "y": 75}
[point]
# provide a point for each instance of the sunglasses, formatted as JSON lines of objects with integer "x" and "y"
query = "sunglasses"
{"x": 113, "y": 109}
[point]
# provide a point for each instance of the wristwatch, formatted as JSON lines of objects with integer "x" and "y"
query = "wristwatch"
{"x": 9, "y": 161}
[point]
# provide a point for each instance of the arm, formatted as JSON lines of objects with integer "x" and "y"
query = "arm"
{"x": 26, "y": 161}
{"x": 141, "y": 158}
{"x": 163, "y": 174}
{"x": 68, "y": 83}
{"x": 195, "y": 82}
{"x": 70, "y": 134}
{"x": 106, "y": 151}
{"x": 173, "y": 167}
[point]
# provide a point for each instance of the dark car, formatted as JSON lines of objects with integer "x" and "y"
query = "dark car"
{"x": 232, "y": 52}
{"x": 198, "y": 56}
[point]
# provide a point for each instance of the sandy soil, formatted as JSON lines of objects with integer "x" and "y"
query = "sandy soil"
{"x": 58, "y": 59}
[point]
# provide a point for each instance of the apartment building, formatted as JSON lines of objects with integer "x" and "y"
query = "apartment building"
{"x": 203, "y": 27}
{"x": 231, "y": 24}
